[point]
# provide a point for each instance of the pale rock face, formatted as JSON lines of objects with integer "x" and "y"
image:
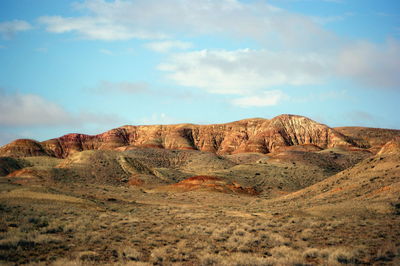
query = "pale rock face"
{"x": 249, "y": 135}
{"x": 391, "y": 147}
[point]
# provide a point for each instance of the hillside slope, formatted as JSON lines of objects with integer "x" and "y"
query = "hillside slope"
{"x": 373, "y": 180}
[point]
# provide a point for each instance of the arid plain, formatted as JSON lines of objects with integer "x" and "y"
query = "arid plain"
{"x": 284, "y": 191}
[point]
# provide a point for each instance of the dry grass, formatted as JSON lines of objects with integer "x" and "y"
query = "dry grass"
{"x": 86, "y": 223}
{"x": 24, "y": 193}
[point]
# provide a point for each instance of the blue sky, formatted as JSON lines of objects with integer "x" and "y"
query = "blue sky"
{"x": 89, "y": 66}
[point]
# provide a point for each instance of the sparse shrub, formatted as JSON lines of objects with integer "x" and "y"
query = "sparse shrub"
{"x": 9, "y": 243}
{"x": 311, "y": 253}
{"x": 343, "y": 256}
{"x": 46, "y": 239}
{"x": 284, "y": 255}
{"x": 240, "y": 259}
{"x": 137, "y": 263}
{"x": 54, "y": 229}
{"x": 317, "y": 224}
{"x": 283, "y": 252}
{"x": 387, "y": 252}
{"x": 277, "y": 240}
{"x": 306, "y": 234}
{"x": 131, "y": 254}
{"x": 39, "y": 222}
{"x": 220, "y": 235}
{"x": 89, "y": 256}
{"x": 239, "y": 232}
{"x": 208, "y": 259}
{"x": 336, "y": 224}
{"x": 159, "y": 254}
{"x": 67, "y": 262}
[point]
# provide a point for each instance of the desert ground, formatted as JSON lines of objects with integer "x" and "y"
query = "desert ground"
{"x": 302, "y": 205}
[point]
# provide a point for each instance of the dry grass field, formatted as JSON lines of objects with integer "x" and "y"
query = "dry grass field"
{"x": 327, "y": 207}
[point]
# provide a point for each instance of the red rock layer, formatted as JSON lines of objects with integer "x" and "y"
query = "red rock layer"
{"x": 211, "y": 183}
{"x": 250, "y": 135}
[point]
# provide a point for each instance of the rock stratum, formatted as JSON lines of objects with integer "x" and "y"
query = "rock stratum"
{"x": 249, "y": 135}
{"x": 212, "y": 183}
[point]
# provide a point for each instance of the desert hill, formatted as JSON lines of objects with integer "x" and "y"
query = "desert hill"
{"x": 374, "y": 181}
{"x": 369, "y": 138}
{"x": 276, "y": 156}
{"x": 250, "y": 135}
{"x": 284, "y": 191}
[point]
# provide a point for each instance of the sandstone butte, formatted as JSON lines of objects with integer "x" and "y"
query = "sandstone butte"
{"x": 249, "y": 135}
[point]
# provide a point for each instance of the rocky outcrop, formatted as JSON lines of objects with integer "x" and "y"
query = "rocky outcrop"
{"x": 391, "y": 147}
{"x": 372, "y": 139}
{"x": 24, "y": 148}
{"x": 212, "y": 183}
{"x": 250, "y": 135}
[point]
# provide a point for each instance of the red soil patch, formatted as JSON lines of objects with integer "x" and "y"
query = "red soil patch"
{"x": 24, "y": 173}
{"x": 199, "y": 179}
{"x": 134, "y": 181}
{"x": 379, "y": 191}
{"x": 26, "y": 176}
{"x": 336, "y": 189}
{"x": 212, "y": 183}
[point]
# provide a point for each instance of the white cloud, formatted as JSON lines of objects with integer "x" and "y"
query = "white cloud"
{"x": 262, "y": 99}
{"x": 154, "y": 19}
{"x": 158, "y": 119}
{"x": 314, "y": 53}
{"x": 166, "y": 46}
{"x": 124, "y": 86}
{"x": 372, "y": 65}
{"x": 9, "y": 28}
{"x": 33, "y": 110}
{"x": 244, "y": 71}
{"x": 95, "y": 28}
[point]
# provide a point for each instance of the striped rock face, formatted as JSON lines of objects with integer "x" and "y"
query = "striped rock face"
{"x": 249, "y": 135}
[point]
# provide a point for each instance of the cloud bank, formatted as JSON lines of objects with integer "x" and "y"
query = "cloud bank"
{"x": 244, "y": 71}
{"x": 293, "y": 49}
{"x": 20, "y": 110}
{"x": 154, "y": 19}
{"x": 9, "y": 28}
{"x": 372, "y": 65}
{"x": 166, "y": 46}
{"x": 263, "y": 99}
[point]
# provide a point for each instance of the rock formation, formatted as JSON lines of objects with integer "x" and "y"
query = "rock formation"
{"x": 372, "y": 139}
{"x": 209, "y": 183}
{"x": 24, "y": 148}
{"x": 249, "y": 135}
{"x": 391, "y": 147}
